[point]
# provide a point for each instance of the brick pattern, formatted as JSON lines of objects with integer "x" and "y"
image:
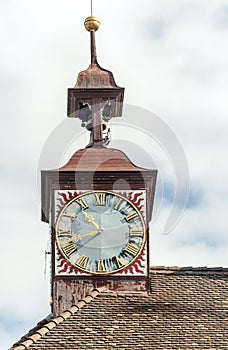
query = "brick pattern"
{"x": 187, "y": 309}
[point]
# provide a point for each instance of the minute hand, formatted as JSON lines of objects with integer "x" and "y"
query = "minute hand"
{"x": 98, "y": 233}
{"x": 77, "y": 237}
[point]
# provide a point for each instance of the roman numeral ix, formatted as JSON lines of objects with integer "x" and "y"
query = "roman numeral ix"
{"x": 64, "y": 233}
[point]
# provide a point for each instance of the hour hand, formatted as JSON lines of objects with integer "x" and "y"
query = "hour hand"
{"x": 90, "y": 219}
{"x": 87, "y": 217}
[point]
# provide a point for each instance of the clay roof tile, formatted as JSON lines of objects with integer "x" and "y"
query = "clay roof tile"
{"x": 186, "y": 309}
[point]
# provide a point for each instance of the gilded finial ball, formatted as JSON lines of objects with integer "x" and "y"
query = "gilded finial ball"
{"x": 92, "y": 23}
{"x": 51, "y": 302}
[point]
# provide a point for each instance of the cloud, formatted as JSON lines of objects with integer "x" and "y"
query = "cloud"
{"x": 220, "y": 17}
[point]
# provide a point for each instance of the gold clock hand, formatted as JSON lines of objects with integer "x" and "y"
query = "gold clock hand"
{"x": 90, "y": 239}
{"x": 87, "y": 216}
{"x": 90, "y": 219}
{"x": 91, "y": 233}
{"x": 78, "y": 237}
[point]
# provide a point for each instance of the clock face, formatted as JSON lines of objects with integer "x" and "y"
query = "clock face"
{"x": 100, "y": 232}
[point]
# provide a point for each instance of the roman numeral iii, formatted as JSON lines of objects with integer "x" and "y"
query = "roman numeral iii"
{"x": 136, "y": 233}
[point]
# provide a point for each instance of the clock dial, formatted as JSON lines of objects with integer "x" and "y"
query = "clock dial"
{"x": 100, "y": 232}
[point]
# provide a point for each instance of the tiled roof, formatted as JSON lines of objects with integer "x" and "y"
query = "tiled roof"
{"x": 187, "y": 309}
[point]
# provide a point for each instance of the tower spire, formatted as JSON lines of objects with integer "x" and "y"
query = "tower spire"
{"x": 95, "y": 98}
{"x": 92, "y": 24}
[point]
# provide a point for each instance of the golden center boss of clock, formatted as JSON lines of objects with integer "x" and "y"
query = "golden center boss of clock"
{"x": 100, "y": 232}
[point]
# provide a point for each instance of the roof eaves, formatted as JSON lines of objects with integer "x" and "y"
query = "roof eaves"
{"x": 39, "y": 333}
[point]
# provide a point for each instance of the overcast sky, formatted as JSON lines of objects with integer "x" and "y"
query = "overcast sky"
{"x": 172, "y": 58}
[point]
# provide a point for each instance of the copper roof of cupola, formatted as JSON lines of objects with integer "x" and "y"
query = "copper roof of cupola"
{"x": 95, "y": 86}
{"x": 94, "y": 76}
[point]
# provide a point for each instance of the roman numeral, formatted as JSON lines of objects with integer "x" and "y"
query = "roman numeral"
{"x": 101, "y": 266}
{"x": 131, "y": 249}
{"x": 83, "y": 261}
{"x": 82, "y": 203}
{"x": 131, "y": 216}
{"x": 70, "y": 215}
{"x": 64, "y": 233}
{"x": 136, "y": 233}
{"x": 119, "y": 263}
{"x": 118, "y": 203}
{"x": 100, "y": 198}
{"x": 69, "y": 249}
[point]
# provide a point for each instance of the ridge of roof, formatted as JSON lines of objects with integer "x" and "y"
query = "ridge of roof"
{"x": 37, "y": 332}
{"x": 189, "y": 270}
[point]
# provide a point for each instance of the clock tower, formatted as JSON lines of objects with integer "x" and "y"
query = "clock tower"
{"x": 99, "y": 204}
